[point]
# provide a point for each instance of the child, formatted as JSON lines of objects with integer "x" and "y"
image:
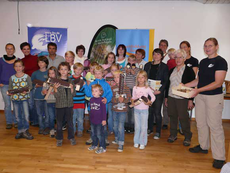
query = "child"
{"x": 97, "y": 119}
{"x": 64, "y": 104}
{"x": 140, "y": 55}
{"x": 53, "y": 73}
{"x": 130, "y": 80}
{"x": 20, "y": 100}
{"x": 171, "y": 63}
{"x": 141, "y": 110}
{"x": 109, "y": 60}
{"x": 90, "y": 75}
{"x": 121, "y": 54}
{"x": 78, "y": 101}
{"x": 40, "y": 103}
{"x": 119, "y": 109}
{"x": 69, "y": 57}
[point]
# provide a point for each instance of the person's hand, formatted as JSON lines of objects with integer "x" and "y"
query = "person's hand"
{"x": 56, "y": 85}
{"x": 105, "y": 72}
{"x": 148, "y": 103}
{"x": 104, "y": 100}
{"x": 44, "y": 92}
{"x": 37, "y": 86}
{"x": 132, "y": 72}
{"x": 1, "y": 85}
{"x": 24, "y": 92}
{"x": 8, "y": 93}
{"x": 71, "y": 87}
{"x": 103, "y": 123}
{"x": 88, "y": 82}
{"x": 194, "y": 93}
{"x": 156, "y": 92}
{"x": 120, "y": 99}
{"x": 166, "y": 102}
{"x": 190, "y": 105}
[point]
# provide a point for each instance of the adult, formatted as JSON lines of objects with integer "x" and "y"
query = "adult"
{"x": 178, "y": 106}
{"x": 157, "y": 70}
{"x": 6, "y": 71}
{"x": 140, "y": 55}
{"x": 80, "y": 52}
{"x": 54, "y": 59}
{"x": 209, "y": 103}
{"x": 190, "y": 60}
{"x": 163, "y": 45}
{"x": 121, "y": 56}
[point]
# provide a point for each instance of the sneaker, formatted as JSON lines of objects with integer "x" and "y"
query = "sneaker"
{"x": 150, "y": 132}
{"x": 16, "y": 125}
{"x": 218, "y": 164}
{"x": 46, "y": 131}
{"x": 88, "y": 131}
{"x": 198, "y": 149}
{"x": 172, "y": 138}
{"x": 107, "y": 142}
{"x": 136, "y": 145}
{"x": 52, "y": 133}
{"x": 73, "y": 141}
{"x": 18, "y": 136}
{"x": 59, "y": 143}
{"x": 120, "y": 148}
{"x": 27, "y": 135}
{"x": 156, "y": 136}
{"x": 9, "y": 126}
{"x": 187, "y": 142}
{"x": 89, "y": 141}
{"x": 100, "y": 150}
{"x": 64, "y": 127}
{"x": 164, "y": 127}
{"x": 92, "y": 148}
{"x": 40, "y": 131}
{"x": 142, "y": 147}
{"x": 114, "y": 142}
{"x": 79, "y": 134}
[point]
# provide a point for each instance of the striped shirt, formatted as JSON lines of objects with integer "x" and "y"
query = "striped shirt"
{"x": 130, "y": 79}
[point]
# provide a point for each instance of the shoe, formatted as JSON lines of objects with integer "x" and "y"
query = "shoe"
{"x": 88, "y": 131}
{"x": 89, "y": 141}
{"x": 16, "y": 125}
{"x": 198, "y": 149}
{"x": 136, "y": 145}
{"x": 35, "y": 125}
{"x": 63, "y": 127}
{"x": 187, "y": 142}
{"x": 52, "y": 133}
{"x": 40, "y": 131}
{"x": 27, "y": 135}
{"x": 79, "y": 134}
{"x": 120, "y": 148}
{"x": 100, "y": 150}
{"x": 59, "y": 143}
{"x": 110, "y": 133}
{"x": 46, "y": 131}
{"x": 114, "y": 142}
{"x": 218, "y": 164}
{"x": 92, "y": 148}
{"x": 73, "y": 141}
{"x": 149, "y": 132}
{"x": 164, "y": 127}
{"x": 131, "y": 130}
{"x": 142, "y": 147}
{"x": 172, "y": 138}
{"x": 9, "y": 126}
{"x": 156, "y": 136}
{"x": 107, "y": 142}
{"x": 18, "y": 136}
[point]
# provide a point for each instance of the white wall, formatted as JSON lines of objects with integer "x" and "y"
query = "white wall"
{"x": 175, "y": 21}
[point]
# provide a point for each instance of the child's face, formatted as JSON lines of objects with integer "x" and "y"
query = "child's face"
{"x": 80, "y": 53}
{"x": 78, "y": 71}
{"x": 98, "y": 74}
{"x": 52, "y": 74}
{"x": 139, "y": 56}
{"x": 113, "y": 69}
{"x": 172, "y": 55}
{"x": 42, "y": 64}
{"x": 141, "y": 79}
{"x": 157, "y": 56}
{"x": 18, "y": 67}
{"x": 63, "y": 71}
{"x": 117, "y": 78}
{"x": 69, "y": 58}
{"x": 96, "y": 92}
{"x": 131, "y": 60}
{"x": 110, "y": 59}
{"x": 121, "y": 51}
{"x": 91, "y": 69}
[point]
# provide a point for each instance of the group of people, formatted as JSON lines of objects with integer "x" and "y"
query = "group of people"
{"x": 117, "y": 95}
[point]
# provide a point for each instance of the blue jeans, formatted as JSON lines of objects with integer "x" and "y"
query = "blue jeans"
{"x": 110, "y": 117}
{"x": 10, "y": 117}
{"x": 141, "y": 126}
{"x": 33, "y": 113}
{"x": 51, "y": 114}
{"x": 98, "y": 134}
{"x": 119, "y": 126}
{"x": 43, "y": 117}
{"x": 78, "y": 115}
{"x": 21, "y": 109}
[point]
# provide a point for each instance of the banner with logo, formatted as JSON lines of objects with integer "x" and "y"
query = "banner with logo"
{"x": 103, "y": 42}
{"x": 135, "y": 39}
{"x": 39, "y": 37}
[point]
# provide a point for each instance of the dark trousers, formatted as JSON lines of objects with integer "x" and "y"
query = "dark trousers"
{"x": 178, "y": 108}
{"x": 98, "y": 135}
{"x": 155, "y": 113}
{"x": 68, "y": 114}
{"x": 129, "y": 122}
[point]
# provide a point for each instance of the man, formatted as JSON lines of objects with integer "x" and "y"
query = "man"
{"x": 54, "y": 59}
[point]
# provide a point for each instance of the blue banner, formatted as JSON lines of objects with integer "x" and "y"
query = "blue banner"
{"x": 39, "y": 37}
{"x": 135, "y": 39}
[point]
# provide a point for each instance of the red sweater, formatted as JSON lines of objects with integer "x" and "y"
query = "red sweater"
{"x": 31, "y": 64}
{"x": 171, "y": 63}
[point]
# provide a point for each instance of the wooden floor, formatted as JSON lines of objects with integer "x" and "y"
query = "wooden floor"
{"x": 41, "y": 155}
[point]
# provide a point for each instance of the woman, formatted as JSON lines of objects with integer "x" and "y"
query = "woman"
{"x": 178, "y": 106}
{"x": 209, "y": 103}
{"x": 157, "y": 70}
{"x": 80, "y": 52}
{"x": 120, "y": 56}
{"x": 6, "y": 71}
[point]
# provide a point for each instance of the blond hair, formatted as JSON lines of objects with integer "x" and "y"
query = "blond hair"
{"x": 70, "y": 53}
{"x": 99, "y": 87}
{"x": 93, "y": 64}
{"x": 117, "y": 72}
{"x": 99, "y": 68}
{"x": 143, "y": 73}
{"x": 132, "y": 57}
{"x": 171, "y": 50}
{"x": 76, "y": 65}
{"x": 182, "y": 52}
